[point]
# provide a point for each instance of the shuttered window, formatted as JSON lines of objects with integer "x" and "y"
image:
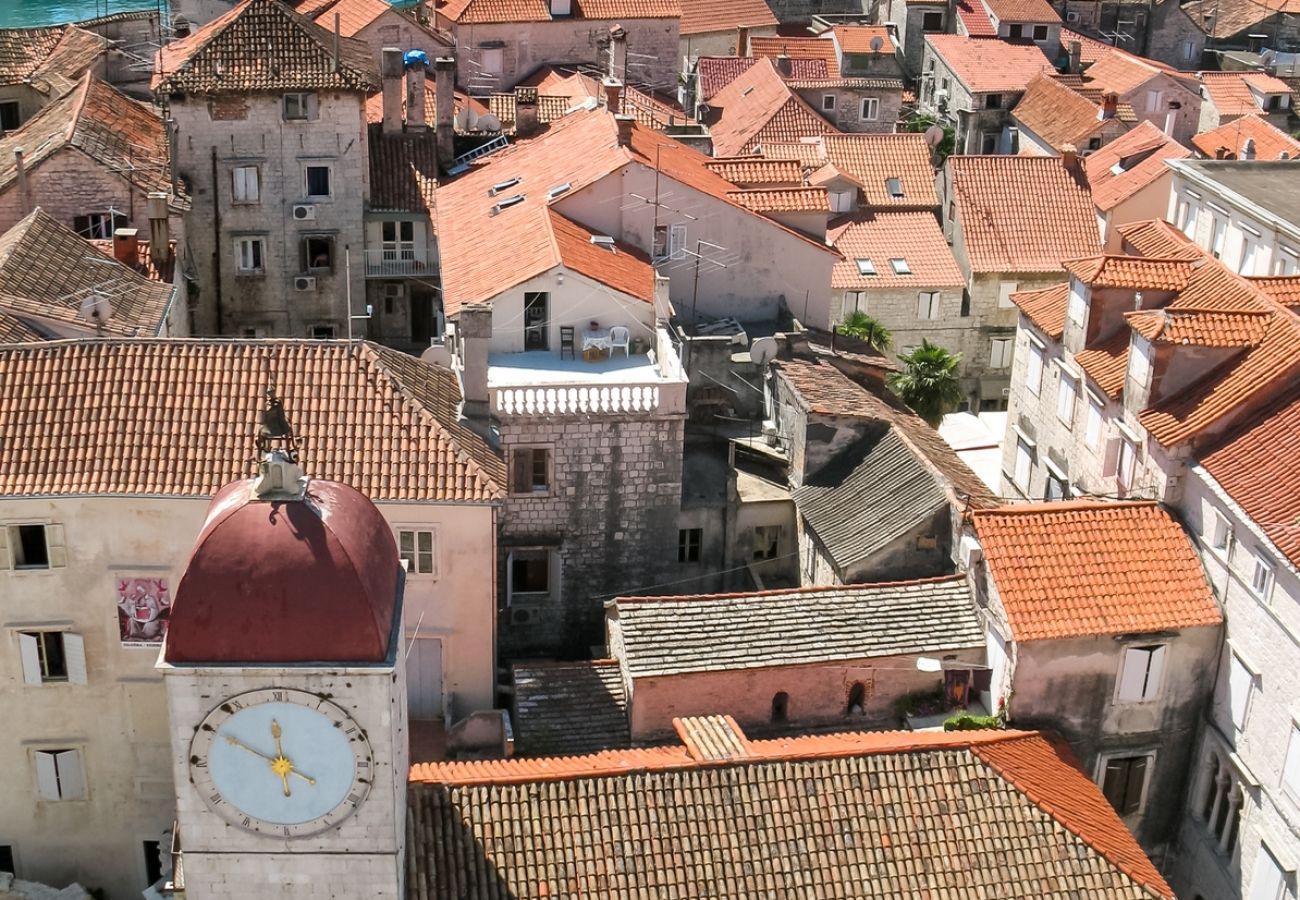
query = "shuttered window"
{"x": 1124, "y": 781}
{"x": 1140, "y": 673}
{"x": 246, "y": 186}
{"x": 530, "y": 471}
{"x": 1241, "y": 688}
{"x": 52, "y": 656}
{"x": 59, "y": 775}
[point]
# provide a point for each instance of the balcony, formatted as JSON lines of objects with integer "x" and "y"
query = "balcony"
{"x": 399, "y": 262}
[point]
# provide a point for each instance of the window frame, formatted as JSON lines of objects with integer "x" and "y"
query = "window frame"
{"x": 1262, "y": 588}
{"x": 17, "y": 107}
{"x": 828, "y": 107}
{"x": 1008, "y": 353}
{"x": 307, "y": 170}
{"x": 1241, "y": 673}
{"x": 869, "y": 109}
{"x": 1041, "y": 33}
{"x": 925, "y": 29}
{"x": 1067, "y": 386}
{"x": 513, "y": 593}
{"x": 307, "y": 258}
{"x": 415, "y": 567}
{"x": 326, "y": 331}
{"x": 1147, "y": 761}
{"x": 236, "y": 180}
{"x": 534, "y": 488}
{"x": 1094, "y": 425}
{"x": 258, "y": 257}
{"x": 1152, "y": 687}
{"x": 302, "y": 99}
{"x": 927, "y": 305}
{"x": 690, "y": 543}
{"x": 1005, "y": 290}
{"x": 1035, "y": 365}
{"x": 1289, "y": 779}
{"x": 79, "y": 780}
{"x": 760, "y": 555}
{"x": 1025, "y": 452}
{"x": 33, "y": 656}
{"x": 1219, "y": 534}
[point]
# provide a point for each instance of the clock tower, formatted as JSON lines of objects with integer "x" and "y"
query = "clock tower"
{"x": 286, "y": 690}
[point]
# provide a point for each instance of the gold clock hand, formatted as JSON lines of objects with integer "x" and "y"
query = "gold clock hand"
{"x": 304, "y": 777}
{"x": 275, "y": 733}
{"x": 235, "y": 742}
{"x": 284, "y": 780}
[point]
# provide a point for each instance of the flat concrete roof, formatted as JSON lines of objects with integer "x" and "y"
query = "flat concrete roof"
{"x": 1272, "y": 185}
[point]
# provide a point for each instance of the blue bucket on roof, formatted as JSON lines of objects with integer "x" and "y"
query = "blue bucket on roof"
{"x": 415, "y": 58}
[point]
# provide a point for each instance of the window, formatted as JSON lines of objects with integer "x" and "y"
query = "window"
{"x": 965, "y": 303}
{"x": 1249, "y": 252}
{"x": 1139, "y": 673}
{"x": 153, "y": 868}
{"x": 492, "y": 60}
{"x": 7, "y": 862}
{"x": 866, "y": 267}
{"x": 1189, "y": 50}
{"x": 842, "y": 201}
{"x": 894, "y": 187}
{"x": 250, "y": 255}
{"x": 1024, "y": 465}
{"x": 59, "y": 775}
{"x": 900, "y": 266}
{"x": 10, "y": 118}
{"x": 530, "y": 572}
{"x": 295, "y": 106}
{"x": 33, "y": 547}
{"x": 828, "y": 103}
{"x": 1094, "y": 143}
{"x": 99, "y": 225}
{"x": 781, "y": 707}
{"x": 1015, "y": 31}
{"x": 1077, "y": 307}
{"x": 854, "y": 301}
{"x": 52, "y": 656}
{"x": 1269, "y": 880}
{"x": 688, "y": 544}
{"x": 1000, "y": 350}
{"x": 992, "y": 101}
{"x": 321, "y": 332}
{"x": 1241, "y": 689}
{"x": 417, "y": 549}
{"x": 1153, "y": 101}
{"x": 1290, "y": 769}
{"x": 670, "y": 241}
{"x": 989, "y": 142}
{"x": 1124, "y": 782}
{"x": 1220, "y": 533}
{"x": 1040, "y": 32}
{"x": 246, "y": 186}
{"x": 870, "y": 109}
{"x": 1034, "y": 368}
{"x": 1261, "y": 576}
{"x": 1127, "y": 465}
{"x": 316, "y": 253}
{"x": 932, "y": 21}
{"x": 1005, "y": 290}
{"x": 1187, "y": 224}
{"x": 1286, "y": 262}
{"x": 767, "y": 541}
{"x": 1092, "y": 423}
{"x": 1218, "y": 233}
{"x": 1221, "y": 804}
{"x": 1139, "y": 366}
{"x": 857, "y": 699}
{"x": 1066, "y": 394}
{"x": 530, "y": 472}
{"x": 398, "y": 240}
{"x": 927, "y": 305}
{"x": 317, "y": 182}
{"x": 1057, "y": 487}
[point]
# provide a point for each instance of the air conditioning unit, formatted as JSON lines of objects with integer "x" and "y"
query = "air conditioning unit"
{"x": 304, "y": 212}
{"x": 394, "y": 291}
{"x": 969, "y": 550}
{"x": 304, "y": 283}
{"x": 525, "y": 612}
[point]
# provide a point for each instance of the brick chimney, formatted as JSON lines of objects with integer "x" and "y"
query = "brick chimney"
{"x": 390, "y": 71}
{"x": 1076, "y": 58}
{"x": 160, "y": 248}
{"x": 785, "y": 66}
{"x": 525, "y": 111}
{"x": 618, "y": 53}
{"x": 1073, "y": 164}
{"x": 415, "y": 87}
{"x": 613, "y": 94}
{"x": 444, "y": 108}
{"x": 1109, "y": 105}
{"x": 742, "y": 41}
{"x": 625, "y": 124}
{"x": 126, "y": 246}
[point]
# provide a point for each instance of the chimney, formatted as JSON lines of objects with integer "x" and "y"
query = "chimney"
{"x": 613, "y": 94}
{"x": 742, "y": 41}
{"x": 22, "y": 180}
{"x": 473, "y": 336}
{"x": 1076, "y": 58}
{"x": 625, "y": 124}
{"x": 525, "y": 111}
{"x": 444, "y": 108}
{"x": 160, "y": 248}
{"x": 784, "y": 66}
{"x": 1109, "y": 105}
{"x": 1221, "y": 153}
{"x": 415, "y": 77}
{"x": 126, "y": 246}
{"x": 1073, "y": 164}
{"x": 618, "y": 53}
{"x": 1248, "y": 149}
{"x": 390, "y": 71}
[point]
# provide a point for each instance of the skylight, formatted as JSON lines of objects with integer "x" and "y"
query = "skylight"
{"x": 895, "y": 188}
{"x": 603, "y": 241}
{"x": 558, "y": 190}
{"x": 507, "y": 203}
{"x": 502, "y": 186}
{"x": 900, "y": 266}
{"x": 866, "y": 267}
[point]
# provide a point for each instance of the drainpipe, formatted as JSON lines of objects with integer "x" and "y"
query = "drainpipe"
{"x": 216, "y": 245}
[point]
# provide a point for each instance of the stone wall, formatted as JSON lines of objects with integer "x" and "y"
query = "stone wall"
{"x": 804, "y": 10}
{"x": 70, "y": 184}
{"x": 847, "y": 112}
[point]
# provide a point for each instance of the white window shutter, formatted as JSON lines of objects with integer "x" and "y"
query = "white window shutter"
{"x": 1110, "y": 465}
{"x": 1240, "y": 681}
{"x": 47, "y": 779}
{"x": 1268, "y": 881}
{"x": 72, "y": 780}
{"x": 1155, "y": 668}
{"x": 1133, "y": 673}
{"x": 74, "y": 656}
{"x": 31, "y": 656}
{"x": 1291, "y": 770}
{"x": 6, "y": 561}
{"x": 55, "y": 546}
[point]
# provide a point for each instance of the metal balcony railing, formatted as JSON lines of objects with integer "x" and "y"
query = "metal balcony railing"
{"x": 400, "y": 262}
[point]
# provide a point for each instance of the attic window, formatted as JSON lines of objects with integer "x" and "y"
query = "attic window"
{"x": 746, "y": 91}
{"x": 603, "y": 241}
{"x": 866, "y": 267}
{"x": 900, "y": 266}
{"x": 895, "y": 188}
{"x": 1119, "y": 168}
{"x": 558, "y": 190}
{"x": 507, "y": 202}
{"x": 503, "y": 186}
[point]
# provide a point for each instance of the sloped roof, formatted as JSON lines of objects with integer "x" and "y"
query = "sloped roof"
{"x": 1122, "y": 73}
{"x": 1268, "y": 141}
{"x": 466, "y": 12}
{"x": 1130, "y": 163}
{"x": 1090, "y": 49}
{"x": 754, "y": 171}
{"x": 354, "y": 15}
{"x": 1156, "y": 237}
{"x": 178, "y": 417}
{"x": 1085, "y": 568}
{"x": 704, "y": 16}
{"x": 1231, "y": 94}
{"x": 1199, "y": 328}
{"x": 1228, "y": 18}
{"x": 858, "y": 39}
{"x": 51, "y": 60}
{"x": 974, "y": 19}
{"x": 622, "y": 267}
{"x": 1045, "y": 307}
{"x": 1285, "y": 289}
{"x": 1147, "y": 273}
{"x": 716, "y": 72}
{"x": 1105, "y": 361}
{"x": 704, "y": 826}
{"x": 728, "y": 632}
{"x": 15, "y": 330}
{"x": 912, "y": 236}
{"x": 758, "y": 106}
{"x": 1002, "y": 203}
{"x": 870, "y": 160}
{"x": 1057, "y": 114}
{"x": 567, "y": 88}
{"x": 984, "y": 66}
{"x": 563, "y": 708}
{"x": 263, "y": 45}
{"x": 783, "y": 199}
{"x": 773, "y": 46}
{"x": 808, "y": 153}
{"x": 1023, "y": 11}
{"x": 403, "y": 170}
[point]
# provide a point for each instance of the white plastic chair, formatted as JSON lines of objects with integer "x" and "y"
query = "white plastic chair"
{"x": 620, "y": 337}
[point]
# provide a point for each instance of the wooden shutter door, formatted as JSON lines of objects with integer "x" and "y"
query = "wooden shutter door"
{"x": 31, "y": 656}
{"x": 74, "y": 658}
{"x": 72, "y": 781}
{"x": 47, "y": 778}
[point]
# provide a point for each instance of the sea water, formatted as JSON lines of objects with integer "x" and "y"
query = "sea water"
{"x": 32, "y": 13}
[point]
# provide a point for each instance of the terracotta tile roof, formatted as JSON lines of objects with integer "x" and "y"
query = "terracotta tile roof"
{"x": 466, "y": 12}
{"x": 375, "y": 106}
{"x": 1012, "y": 788}
{"x": 1199, "y": 328}
{"x": 1046, "y": 308}
{"x": 825, "y": 390}
{"x": 1132, "y": 273}
{"x": 1094, "y": 94}
{"x": 263, "y": 45}
{"x": 403, "y": 170}
{"x": 145, "y": 263}
{"x": 562, "y": 89}
{"x": 859, "y": 38}
{"x": 1255, "y": 465}
{"x": 1156, "y": 237}
{"x": 622, "y": 267}
{"x": 1057, "y": 114}
{"x": 1130, "y": 163}
{"x": 14, "y": 330}
{"x": 809, "y": 154}
{"x": 565, "y": 708}
{"x": 870, "y": 160}
{"x": 1231, "y": 94}
{"x": 178, "y": 417}
{"x": 758, "y": 107}
{"x": 1002, "y": 202}
{"x": 23, "y": 49}
{"x": 822, "y": 48}
{"x": 716, "y": 72}
{"x": 1105, "y": 362}
{"x": 110, "y": 128}
{"x": 984, "y": 66}
{"x": 1228, "y": 18}
{"x": 753, "y": 171}
{"x": 1269, "y": 142}
{"x": 48, "y": 271}
{"x": 1122, "y": 73}
{"x": 975, "y": 19}
{"x": 914, "y": 237}
{"x": 863, "y": 83}
{"x": 729, "y": 632}
{"x": 1285, "y": 289}
{"x": 354, "y": 15}
{"x": 704, "y": 16}
{"x": 779, "y": 200}
{"x": 1023, "y": 11}
{"x": 1082, "y": 568}
{"x": 49, "y": 59}
{"x": 1090, "y": 49}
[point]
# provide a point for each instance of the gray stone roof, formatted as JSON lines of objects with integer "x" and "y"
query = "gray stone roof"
{"x": 564, "y": 709}
{"x": 673, "y": 635}
{"x": 873, "y": 493}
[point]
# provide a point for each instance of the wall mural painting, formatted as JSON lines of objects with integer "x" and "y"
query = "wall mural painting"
{"x": 143, "y": 607}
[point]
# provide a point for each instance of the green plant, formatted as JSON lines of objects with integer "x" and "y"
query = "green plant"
{"x": 920, "y": 123}
{"x": 919, "y": 703}
{"x": 858, "y": 324}
{"x": 928, "y": 382}
{"x": 964, "y": 721}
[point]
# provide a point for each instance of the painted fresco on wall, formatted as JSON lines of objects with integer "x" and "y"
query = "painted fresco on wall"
{"x": 143, "y": 607}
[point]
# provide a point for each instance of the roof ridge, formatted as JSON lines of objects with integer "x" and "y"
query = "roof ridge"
{"x": 1062, "y": 506}
{"x": 78, "y": 107}
{"x": 810, "y": 589}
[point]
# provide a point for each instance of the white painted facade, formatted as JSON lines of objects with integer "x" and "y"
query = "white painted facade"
{"x": 1249, "y": 239}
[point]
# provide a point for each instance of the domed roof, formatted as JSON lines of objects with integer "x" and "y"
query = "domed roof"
{"x": 283, "y": 579}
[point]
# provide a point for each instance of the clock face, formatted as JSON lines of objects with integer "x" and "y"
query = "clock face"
{"x": 281, "y": 762}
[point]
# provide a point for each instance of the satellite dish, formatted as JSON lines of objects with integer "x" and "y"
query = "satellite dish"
{"x": 876, "y": 43}
{"x": 763, "y": 350}
{"x": 95, "y": 307}
{"x": 462, "y": 119}
{"x": 1267, "y": 57}
{"x": 933, "y": 135}
{"x": 472, "y": 119}
{"x": 487, "y": 122}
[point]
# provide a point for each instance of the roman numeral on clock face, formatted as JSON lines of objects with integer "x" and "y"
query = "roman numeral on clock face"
{"x": 216, "y": 797}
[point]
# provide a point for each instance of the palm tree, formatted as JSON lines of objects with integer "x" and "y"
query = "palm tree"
{"x": 858, "y": 324}
{"x": 928, "y": 382}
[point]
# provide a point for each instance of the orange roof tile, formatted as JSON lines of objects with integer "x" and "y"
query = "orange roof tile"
{"x": 48, "y": 60}
{"x": 1133, "y": 273}
{"x": 1023, "y": 11}
{"x": 974, "y": 19}
{"x": 984, "y": 66}
{"x": 1201, "y": 328}
{"x": 716, "y": 72}
{"x": 1106, "y": 362}
{"x": 1285, "y": 289}
{"x": 859, "y": 38}
{"x": 778, "y": 200}
{"x": 1122, "y": 73}
{"x": 354, "y": 15}
{"x": 621, "y": 267}
{"x": 466, "y": 12}
{"x": 1090, "y": 49}
{"x": 1156, "y": 237}
{"x": 1045, "y": 307}
{"x": 822, "y": 48}
{"x": 914, "y": 237}
{"x": 758, "y": 106}
{"x": 1229, "y": 18}
{"x": 1231, "y": 94}
{"x": 177, "y": 417}
{"x": 1057, "y": 114}
{"x": 1002, "y": 203}
{"x": 704, "y": 16}
{"x": 1130, "y": 163}
{"x": 751, "y": 171}
{"x": 1087, "y": 568}
{"x": 1232, "y": 139}
{"x": 870, "y": 160}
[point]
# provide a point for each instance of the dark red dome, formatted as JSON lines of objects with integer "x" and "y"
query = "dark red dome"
{"x": 274, "y": 581}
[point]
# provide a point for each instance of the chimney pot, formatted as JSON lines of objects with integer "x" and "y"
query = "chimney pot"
{"x": 21, "y": 169}
{"x": 618, "y": 53}
{"x": 1073, "y": 164}
{"x": 126, "y": 246}
{"x": 160, "y": 247}
{"x": 526, "y": 120}
{"x": 415, "y": 87}
{"x": 625, "y": 124}
{"x": 391, "y": 79}
{"x": 613, "y": 94}
{"x": 1109, "y": 105}
{"x": 742, "y": 41}
{"x": 784, "y": 65}
{"x": 1076, "y": 57}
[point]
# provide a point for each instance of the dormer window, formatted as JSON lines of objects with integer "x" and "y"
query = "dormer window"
{"x": 900, "y": 266}
{"x": 502, "y": 186}
{"x": 866, "y": 267}
{"x": 894, "y": 186}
